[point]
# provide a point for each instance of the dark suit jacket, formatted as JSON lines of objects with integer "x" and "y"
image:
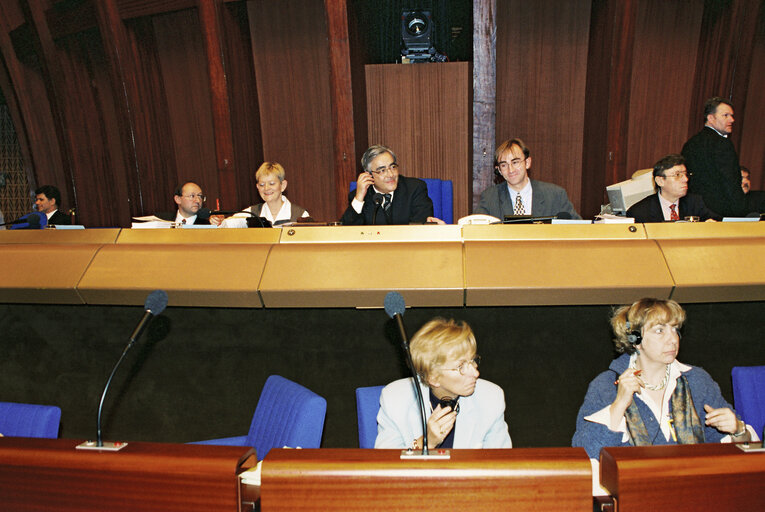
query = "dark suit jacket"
{"x": 59, "y": 218}
{"x": 171, "y": 217}
{"x": 546, "y": 200}
{"x": 648, "y": 209}
{"x": 716, "y": 173}
{"x": 410, "y": 204}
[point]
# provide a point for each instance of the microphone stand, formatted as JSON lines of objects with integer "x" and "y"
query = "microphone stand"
{"x": 418, "y": 390}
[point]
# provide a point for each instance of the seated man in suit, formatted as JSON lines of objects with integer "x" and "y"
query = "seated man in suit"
{"x": 47, "y": 201}
{"x": 518, "y": 194}
{"x": 189, "y": 198}
{"x": 672, "y": 201}
{"x": 400, "y": 200}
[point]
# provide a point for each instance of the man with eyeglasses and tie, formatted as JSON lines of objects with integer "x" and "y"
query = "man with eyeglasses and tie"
{"x": 672, "y": 201}
{"x": 189, "y": 199}
{"x": 518, "y": 194}
{"x": 383, "y": 196}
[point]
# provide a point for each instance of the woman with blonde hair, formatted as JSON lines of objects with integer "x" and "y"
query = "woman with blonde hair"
{"x": 463, "y": 410}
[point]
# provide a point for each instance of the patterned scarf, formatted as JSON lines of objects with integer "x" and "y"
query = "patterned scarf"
{"x": 686, "y": 422}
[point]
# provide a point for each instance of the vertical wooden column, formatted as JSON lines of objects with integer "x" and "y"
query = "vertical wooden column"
{"x": 484, "y": 95}
{"x": 341, "y": 97}
{"x": 607, "y": 99}
{"x": 122, "y": 77}
{"x": 209, "y": 17}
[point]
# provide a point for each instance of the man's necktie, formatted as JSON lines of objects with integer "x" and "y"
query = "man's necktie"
{"x": 673, "y": 212}
{"x": 519, "y": 209}
{"x": 387, "y": 203}
{"x": 183, "y": 221}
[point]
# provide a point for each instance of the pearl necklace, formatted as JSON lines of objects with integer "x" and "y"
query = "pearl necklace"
{"x": 659, "y": 386}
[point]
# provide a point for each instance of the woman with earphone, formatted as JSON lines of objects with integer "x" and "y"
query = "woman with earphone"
{"x": 648, "y": 397}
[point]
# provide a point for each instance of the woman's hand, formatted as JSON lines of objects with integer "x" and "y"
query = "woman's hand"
{"x": 629, "y": 383}
{"x": 725, "y": 421}
{"x": 440, "y": 424}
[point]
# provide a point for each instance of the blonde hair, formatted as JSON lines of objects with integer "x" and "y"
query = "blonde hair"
{"x": 644, "y": 313}
{"x": 269, "y": 168}
{"x": 437, "y": 341}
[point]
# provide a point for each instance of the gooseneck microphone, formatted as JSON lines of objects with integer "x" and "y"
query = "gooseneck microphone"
{"x": 155, "y": 304}
{"x": 395, "y": 306}
{"x": 32, "y": 220}
{"x": 378, "y": 200}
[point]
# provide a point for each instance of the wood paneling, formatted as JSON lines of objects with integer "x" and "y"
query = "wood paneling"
{"x": 541, "y": 70}
{"x": 666, "y": 40}
{"x": 484, "y": 96}
{"x": 422, "y": 112}
{"x": 291, "y": 56}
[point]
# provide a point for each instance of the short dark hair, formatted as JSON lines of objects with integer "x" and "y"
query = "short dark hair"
{"x": 506, "y": 145}
{"x": 710, "y": 106}
{"x": 50, "y": 192}
{"x": 667, "y": 163}
{"x": 744, "y": 169}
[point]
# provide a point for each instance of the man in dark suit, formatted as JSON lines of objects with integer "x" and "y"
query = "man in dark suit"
{"x": 713, "y": 162}
{"x": 189, "y": 198}
{"x": 518, "y": 194}
{"x": 672, "y": 202}
{"x": 47, "y": 201}
{"x": 400, "y": 200}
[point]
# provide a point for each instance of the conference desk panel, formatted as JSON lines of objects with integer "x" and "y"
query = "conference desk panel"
{"x": 50, "y": 474}
{"x": 201, "y": 274}
{"x": 516, "y": 479}
{"x": 361, "y": 274}
{"x": 620, "y": 231}
{"x": 59, "y": 236}
{"x": 718, "y": 477}
{"x": 716, "y": 269}
{"x": 701, "y": 230}
{"x": 44, "y": 273}
{"x": 560, "y": 272}
{"x": 199, "y": 236}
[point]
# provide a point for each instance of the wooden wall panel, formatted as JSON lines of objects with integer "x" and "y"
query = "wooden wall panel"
{"x": 541, "y": 74}
{"x": 422, "y": 112}
{"x": 291, "y": 56}
{"x": 664, "y": 57}
{"x": 184, "y": 74}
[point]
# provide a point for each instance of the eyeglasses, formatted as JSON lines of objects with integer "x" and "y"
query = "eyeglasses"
{"x": 679, "y": 175}
{"x": 201, "y": 197}
{"x": 380, "y": 170}
{"x": 463, "y": 367}
{"x": 515, "y": 162}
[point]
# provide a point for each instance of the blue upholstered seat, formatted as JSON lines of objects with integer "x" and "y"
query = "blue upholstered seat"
{"x": 287, "y": 414}
{"x": 749, "y": 395}
{"x": 367, "y": 405}
{"x": 29, "y": 420}
{"x": 441, "y": 193}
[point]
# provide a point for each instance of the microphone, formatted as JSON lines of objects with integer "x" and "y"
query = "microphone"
{"x": 378, "y": 199}
{"x": 395, "y": 306}
{"x": 203, "y": 213}
{"x": 155, "y": 304}
{"x": 563, "y": 215}
{"x": 33, "y": 220}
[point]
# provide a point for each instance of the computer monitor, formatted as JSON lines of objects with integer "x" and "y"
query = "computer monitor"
{"x": 624, "y": 194}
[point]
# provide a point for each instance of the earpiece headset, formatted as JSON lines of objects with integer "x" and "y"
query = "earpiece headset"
{"x": 633, "y": 336}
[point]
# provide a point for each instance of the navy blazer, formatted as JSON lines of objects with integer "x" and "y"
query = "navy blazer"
{"x": 648, "y": 209}
{"x": 411, "y": 204}
{"x": 59, "y": 218}
{"x": 547, "y": 199}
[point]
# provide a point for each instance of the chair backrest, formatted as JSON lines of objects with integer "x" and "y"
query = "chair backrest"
{"x": 749, "y": 395}
{"x": 367, "y": 405}
{"x": 29, "y": 420}
{"x": 441, "y": 192}
{"x": 287, "y": 414}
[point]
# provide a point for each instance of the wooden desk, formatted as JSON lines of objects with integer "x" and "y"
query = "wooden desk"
{"x": 50, "y": 474}
{"x": 716, "y": 477}
{"x": 483, "y": 480}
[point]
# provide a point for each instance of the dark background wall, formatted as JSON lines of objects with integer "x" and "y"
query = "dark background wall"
{"x": 199, "y": 371}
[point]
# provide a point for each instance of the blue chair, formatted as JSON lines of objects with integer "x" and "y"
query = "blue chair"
{"x": 749, "y": 395}
{"x": 29, "y": 420}
{"x": 441, "y": 193}
{"x": 367, "y": 405}
{"x": 287, "y": 414}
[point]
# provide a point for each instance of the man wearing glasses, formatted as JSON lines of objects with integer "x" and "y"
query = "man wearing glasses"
{"x": 672, "y": 201}
{"x": 518, "y": 194}
{"x": 189, "y": 199}
{"x": 383, "y": 196}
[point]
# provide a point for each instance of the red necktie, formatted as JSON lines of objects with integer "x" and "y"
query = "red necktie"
{"x": 673, "y": 212}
